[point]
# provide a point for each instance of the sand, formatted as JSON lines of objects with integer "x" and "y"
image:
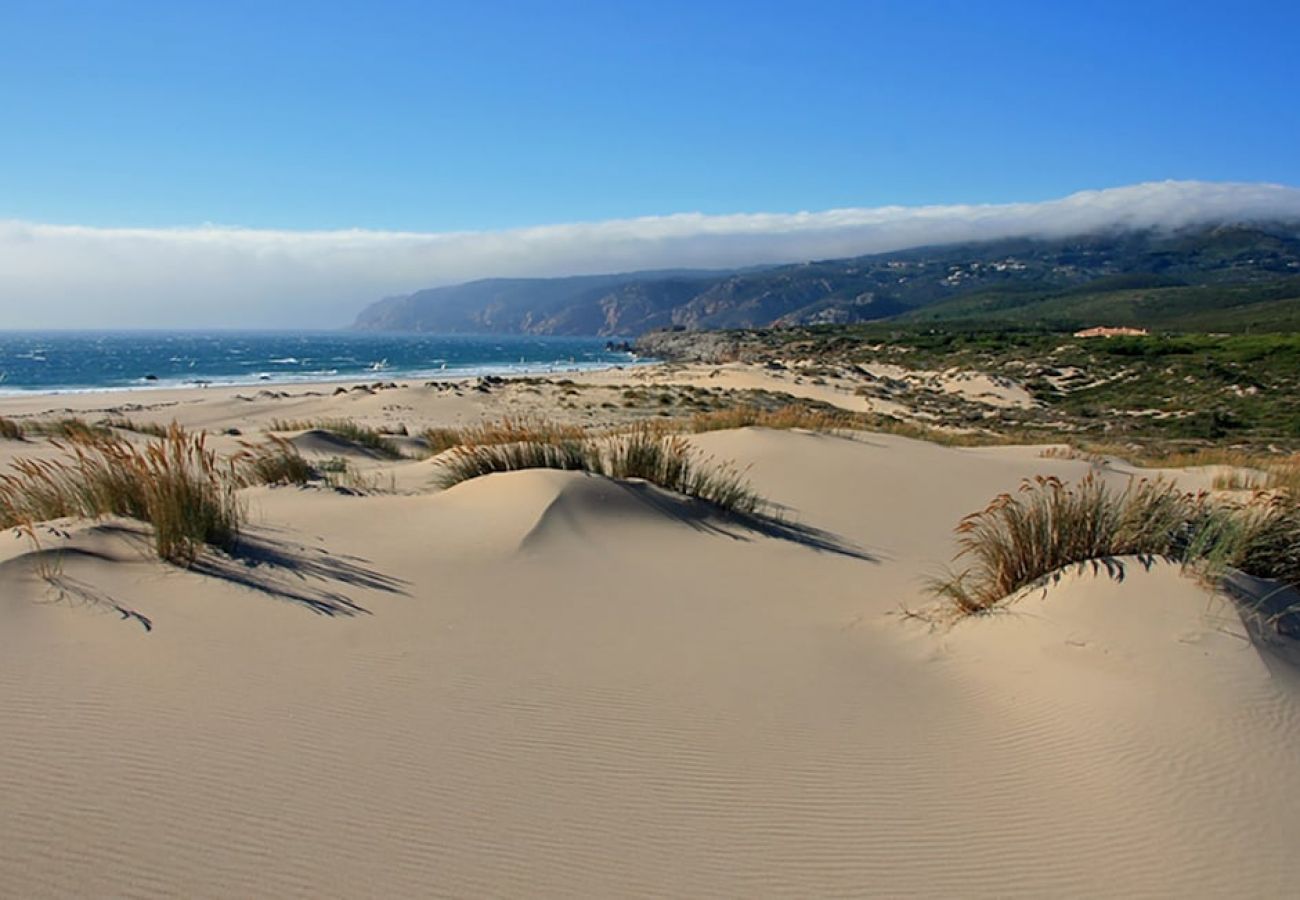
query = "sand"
{"x": 549, "y": 684}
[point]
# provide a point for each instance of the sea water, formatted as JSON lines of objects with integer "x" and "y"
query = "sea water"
{"x": 104, "y": 360}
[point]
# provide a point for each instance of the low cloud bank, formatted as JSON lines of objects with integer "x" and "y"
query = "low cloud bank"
{"x": 59, "y": 276}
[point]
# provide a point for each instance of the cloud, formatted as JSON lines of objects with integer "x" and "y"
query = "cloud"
{"x": 213, "y": 276}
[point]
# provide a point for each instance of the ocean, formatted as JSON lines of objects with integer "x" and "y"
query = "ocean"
{"x": 114, "y": 360}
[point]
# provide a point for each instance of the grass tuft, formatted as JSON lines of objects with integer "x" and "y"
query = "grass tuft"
{"x": 10, "y": 430}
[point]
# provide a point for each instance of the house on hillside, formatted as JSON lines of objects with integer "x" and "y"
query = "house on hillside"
{"x": 1105, "y": 331}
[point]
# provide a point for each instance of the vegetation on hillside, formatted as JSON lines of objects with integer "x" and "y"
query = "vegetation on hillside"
{"x": 1228, "y": 278}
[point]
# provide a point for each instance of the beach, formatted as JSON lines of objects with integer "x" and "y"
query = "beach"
{"x": 549, "y": 683}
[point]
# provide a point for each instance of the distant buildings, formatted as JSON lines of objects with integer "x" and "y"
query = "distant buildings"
{"x": 1104, "y": 331}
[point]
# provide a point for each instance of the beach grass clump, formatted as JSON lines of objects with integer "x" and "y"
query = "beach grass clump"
{"x": 669, "y": 461}
{"x": 10, "y": 430}
{"x": 362, "y": 435}
{"x": 1022, "y": 538}
{"x": 645, "y": 452}
{"x": 273, "y": 462}
{"x": 784, "y": 417}
{"x": 468, "y": 461}
{"x": 176, "y": 484}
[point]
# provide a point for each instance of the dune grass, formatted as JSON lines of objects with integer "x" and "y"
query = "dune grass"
{"x": 10, "y": 430}
{"x": 644, "y": 452}
{"x": 1023, "y": 539}
{"x": 355, "y": 432}
{"x": 505, "y": 431}
{"x": 176, "y": 484}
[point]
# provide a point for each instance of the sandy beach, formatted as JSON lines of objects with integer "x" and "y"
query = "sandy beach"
{"x": 547, "y": 683}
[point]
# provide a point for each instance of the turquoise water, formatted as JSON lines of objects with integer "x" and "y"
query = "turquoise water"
{"x": 79, "y": 361}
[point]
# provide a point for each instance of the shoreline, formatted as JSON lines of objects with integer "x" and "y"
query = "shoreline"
{"x": 514, "y": 370}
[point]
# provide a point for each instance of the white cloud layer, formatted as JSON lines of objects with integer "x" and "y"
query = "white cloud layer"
{"x": 65, "y": 276}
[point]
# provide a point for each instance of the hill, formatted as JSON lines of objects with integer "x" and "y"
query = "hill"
{"x": 1230, "y": 277}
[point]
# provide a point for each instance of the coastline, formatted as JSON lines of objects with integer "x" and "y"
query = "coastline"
{"x": 50, "y": 362}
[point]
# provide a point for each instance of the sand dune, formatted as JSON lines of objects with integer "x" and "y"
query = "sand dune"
{"x": 547, "y": 683}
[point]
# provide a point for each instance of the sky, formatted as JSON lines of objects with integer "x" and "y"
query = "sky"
{"x": 254, "y": 163}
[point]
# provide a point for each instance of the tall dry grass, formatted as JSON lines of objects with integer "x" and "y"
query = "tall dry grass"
{"x": 10, "y": 430}
{"x": 176, "y": 484}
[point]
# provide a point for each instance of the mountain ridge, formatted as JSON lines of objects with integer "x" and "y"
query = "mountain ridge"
{"x": 1004, "y": 279}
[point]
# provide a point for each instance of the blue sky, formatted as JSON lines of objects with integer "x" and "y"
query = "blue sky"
{"x": 451, "y": 116}
{"x": 279, "y": 163}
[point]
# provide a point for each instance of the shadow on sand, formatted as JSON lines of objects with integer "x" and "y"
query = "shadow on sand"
{"x": 1270, "y": 611}
{"x": 711, "y": 519}
{"x": 310, "y": 577}
{"x": 77, "y": 592}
